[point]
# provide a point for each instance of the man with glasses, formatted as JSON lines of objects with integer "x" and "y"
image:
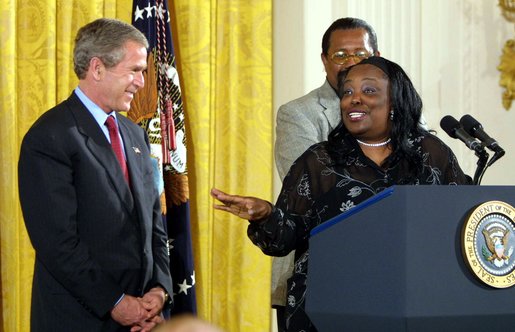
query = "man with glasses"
{"x": 309, "y": 120}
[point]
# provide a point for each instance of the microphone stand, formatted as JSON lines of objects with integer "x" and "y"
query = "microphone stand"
{"x": 497, "y": 155}
{"x": 481, "y": 166}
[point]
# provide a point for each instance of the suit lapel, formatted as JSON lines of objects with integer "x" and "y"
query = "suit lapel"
{"x": 329, "y": 100}
{"x": 133, "y": 153}
{"x": 99, "y": 146}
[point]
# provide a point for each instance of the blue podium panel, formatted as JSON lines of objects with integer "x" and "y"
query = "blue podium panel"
{"x": 395, "y": 264}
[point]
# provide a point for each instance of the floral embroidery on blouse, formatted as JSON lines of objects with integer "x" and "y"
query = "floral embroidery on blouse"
{"x": 322, "y": 184}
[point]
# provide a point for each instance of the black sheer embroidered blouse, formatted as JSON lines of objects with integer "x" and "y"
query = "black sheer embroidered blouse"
{"x": 330, "y": 178}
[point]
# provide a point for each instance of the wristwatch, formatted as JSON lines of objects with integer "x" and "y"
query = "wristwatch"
{"x": 167, "y": 296}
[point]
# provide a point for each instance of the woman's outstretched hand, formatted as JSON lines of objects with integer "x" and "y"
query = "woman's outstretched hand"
{"x": 246, "y": 207}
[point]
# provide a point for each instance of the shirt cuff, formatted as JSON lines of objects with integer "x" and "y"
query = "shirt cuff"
{"x": 119, "y": 300}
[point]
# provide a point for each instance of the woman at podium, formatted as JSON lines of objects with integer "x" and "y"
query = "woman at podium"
{"x": 379, "y": 143}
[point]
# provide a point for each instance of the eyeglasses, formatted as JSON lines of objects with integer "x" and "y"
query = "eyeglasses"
{"x": 342, "y": 58}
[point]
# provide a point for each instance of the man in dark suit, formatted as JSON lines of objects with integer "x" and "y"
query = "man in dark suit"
{"x": 88, "y": 198}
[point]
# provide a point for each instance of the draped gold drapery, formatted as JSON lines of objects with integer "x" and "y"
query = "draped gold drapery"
{"x": 226, "y": 60}
{"x": 224, "y": 53}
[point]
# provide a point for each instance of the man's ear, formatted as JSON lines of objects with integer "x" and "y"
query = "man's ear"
{"x": 324, "y": 58}
{"x": 96, "y": 68}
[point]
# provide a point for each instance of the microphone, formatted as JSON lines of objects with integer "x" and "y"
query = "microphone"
{"x": 453, "y": 128}
{"x": 474, "y": 128}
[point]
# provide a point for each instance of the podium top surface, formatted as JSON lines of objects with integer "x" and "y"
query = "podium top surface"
{"x": 363, "y": 205}
{"x": 461, "y": 189}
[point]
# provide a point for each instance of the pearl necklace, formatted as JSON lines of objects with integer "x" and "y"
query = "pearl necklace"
{"x": 374, "y": 145}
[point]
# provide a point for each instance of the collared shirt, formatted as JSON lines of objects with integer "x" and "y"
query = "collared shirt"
{"x": 100, "y": 116}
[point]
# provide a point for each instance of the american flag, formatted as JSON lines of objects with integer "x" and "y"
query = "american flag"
{"x": 158, "y": 108}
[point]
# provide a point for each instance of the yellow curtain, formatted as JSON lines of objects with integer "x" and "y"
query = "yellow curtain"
{"x": 225, "y": 54}
{"x": 224, "y": 50}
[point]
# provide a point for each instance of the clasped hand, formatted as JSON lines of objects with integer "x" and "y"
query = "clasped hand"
{"x": 142, "y": 313}
{"x": 246, "y": 207}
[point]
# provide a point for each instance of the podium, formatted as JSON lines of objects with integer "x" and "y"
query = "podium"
{"x": 394, "y": 263}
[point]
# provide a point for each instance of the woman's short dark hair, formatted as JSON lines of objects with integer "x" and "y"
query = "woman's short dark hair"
{"x": 349, "y": 23}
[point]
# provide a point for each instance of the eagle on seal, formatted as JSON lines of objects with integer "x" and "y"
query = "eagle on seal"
{"x": 496, "y": 245}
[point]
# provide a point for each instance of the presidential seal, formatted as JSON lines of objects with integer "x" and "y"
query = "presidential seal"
{"x": 488, "y": 242}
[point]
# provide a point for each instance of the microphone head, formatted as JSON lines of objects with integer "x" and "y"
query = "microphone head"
{"x": 449, "y": 124}
{"x": 470, "y": 124}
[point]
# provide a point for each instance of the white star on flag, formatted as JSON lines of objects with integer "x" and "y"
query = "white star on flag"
{"x": 183, "y": 288}
{"x": 193, "y": 279}
{"x": 138, "y": 13}
{"x": 149, "y": 10}
{"x": 160, "y": 11}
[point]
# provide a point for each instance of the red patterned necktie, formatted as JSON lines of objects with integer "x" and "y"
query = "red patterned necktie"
{"x": 117, "y": 145}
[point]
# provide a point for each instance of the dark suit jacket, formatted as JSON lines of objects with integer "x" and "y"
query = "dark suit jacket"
{"x": 95, "y": 238}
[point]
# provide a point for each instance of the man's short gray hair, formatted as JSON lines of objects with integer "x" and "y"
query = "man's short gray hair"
{"x": 105, "y": 39}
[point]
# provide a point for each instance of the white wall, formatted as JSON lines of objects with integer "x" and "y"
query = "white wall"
{"x": 450, "y": 49}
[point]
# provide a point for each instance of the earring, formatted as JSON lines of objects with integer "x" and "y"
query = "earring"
{"x": 391, "y": 115}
